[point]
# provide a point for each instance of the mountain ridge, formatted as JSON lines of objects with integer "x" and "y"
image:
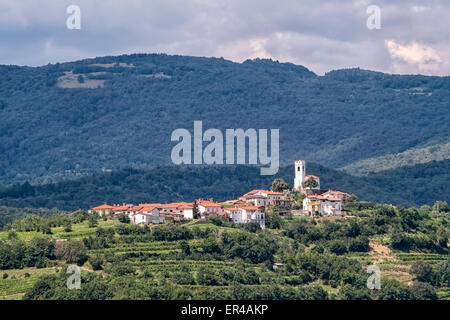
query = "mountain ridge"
{"x": 122, "y": 115}
{"x": 409, "y": 186}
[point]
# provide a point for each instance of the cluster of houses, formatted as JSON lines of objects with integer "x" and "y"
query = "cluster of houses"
{"x": 248, "y": 208}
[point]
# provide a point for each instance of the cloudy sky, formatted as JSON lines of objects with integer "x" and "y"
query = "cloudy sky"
{"x": 321, "y": 35}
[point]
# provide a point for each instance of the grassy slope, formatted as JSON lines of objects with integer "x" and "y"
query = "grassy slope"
{"x": 392, "y": 264}
{"x": 409, "y": 157}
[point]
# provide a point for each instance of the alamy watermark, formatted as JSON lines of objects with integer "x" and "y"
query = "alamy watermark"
{"x": 213, "y": 153}
{"x": 74, "y": 281}
{"x": 73, "y": 22}
{"x": 374, "y": 280}
{"x": 374, "y": 20}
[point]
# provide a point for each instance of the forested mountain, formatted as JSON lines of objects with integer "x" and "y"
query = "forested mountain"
{"x": 71, "y": 119}
{"x": 418, "y": 185}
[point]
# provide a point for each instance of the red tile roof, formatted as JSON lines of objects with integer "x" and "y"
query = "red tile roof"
{"x": 312, "y": 176}
{"x": 120, "y": 208}
{"x": 205, "y": 203}
{"x": 251, "y": 208}
{"x": 320, "y": 197}
{"x": 269, "y": 192}
{"x": 337, "y": 192}
{"x": 233, "y": 209}
{"x": 103, "y": 207}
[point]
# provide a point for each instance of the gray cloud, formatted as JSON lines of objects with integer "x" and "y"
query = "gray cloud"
{"x": 322, "y": 35}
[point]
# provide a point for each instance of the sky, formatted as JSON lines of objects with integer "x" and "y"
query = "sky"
{"x": 324, "y": 35}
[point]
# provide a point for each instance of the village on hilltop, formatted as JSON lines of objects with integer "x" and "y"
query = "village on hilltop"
{"x": 251, "y": 207}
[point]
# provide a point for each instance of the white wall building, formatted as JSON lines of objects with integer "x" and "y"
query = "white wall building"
{"x": 247, "y": 214}
{"x": 324, "y": 206}
{"x": 147, "y": 215}
{"x": 208, "y": 207}
{"x": 262, "y": 197}
{"x": 301, "y": 176}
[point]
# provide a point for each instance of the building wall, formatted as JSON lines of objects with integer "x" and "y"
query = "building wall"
{"x": 188, "y": 213}
{"x": 300, "y": 172}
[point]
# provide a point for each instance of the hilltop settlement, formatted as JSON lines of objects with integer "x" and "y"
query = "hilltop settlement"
{"x": 251, "y": 207}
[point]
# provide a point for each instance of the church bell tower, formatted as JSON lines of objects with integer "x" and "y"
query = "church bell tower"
{"x": 300, "y": 172}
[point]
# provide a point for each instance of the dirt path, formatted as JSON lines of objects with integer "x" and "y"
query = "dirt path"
{"x": 380, "y": 253}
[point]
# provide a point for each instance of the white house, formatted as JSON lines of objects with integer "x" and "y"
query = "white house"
{"x": 262, "y": 197}
{"x": 146, "y": 215}
{"x": 324, "y": 206}
{"x": 247, "y": 214}
{"x": 332, "y": 207}
{"x": 188, "y": 211}
{"x": 235, "y": 214}
{"x": 336, "y": 194}
{"x": 253, "y": 214}
{"x": 208, "y": 207}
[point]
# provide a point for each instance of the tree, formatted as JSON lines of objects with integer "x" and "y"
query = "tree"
{"x": 273, "y": 221}
{"x": 352, "y": 198}
{"x": 93, "y": 221}
{"x": 310, "y": 183}
{"x": 195, "y": 211}
{"x": 45, "y": 229}
{"x": 185, "y": 248}
{"x": 441, "y": 206}
{"x": 124, "y": 218}
{"x": 96, "y": 262}
{"x": 422, "y": 271}
{"x": 68, "y": 226}
{"x": 338, "y": 247}
{"x": 210, "y": 245}
{"x": 279, "y": 185}
{"x": 423, "y": 291}
{"x": 72, "y": 252}
{"x": 392, "y": 289}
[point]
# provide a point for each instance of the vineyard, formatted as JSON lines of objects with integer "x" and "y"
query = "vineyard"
{"x": 296, "y": 258}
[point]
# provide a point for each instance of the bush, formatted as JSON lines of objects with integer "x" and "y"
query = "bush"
{"x": 423, "y": 291}
{"x": 124, "y": 218}
{"x": 96, "y": 262}
{"x": 93, "y": 221}
{"x": 393, "y": 290}
{"x": 71, "y": 252}
{"x": 401, "y": 241}
{"x": 68, "y": 227}
{"x": 422, "y": 271}
{"x": 360, "y": 244}
{"x": 338, "y": 247}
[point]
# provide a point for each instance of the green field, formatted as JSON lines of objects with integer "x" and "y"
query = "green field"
{"x": 216, "y": 259}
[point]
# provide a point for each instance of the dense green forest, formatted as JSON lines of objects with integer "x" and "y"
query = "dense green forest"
{"x": 72, "y": 119}
{"x": 9, "y": 214}
{"x": 213, "y": 258}
{"x": 417, "y": 185}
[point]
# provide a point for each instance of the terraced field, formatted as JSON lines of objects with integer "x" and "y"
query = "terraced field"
{"x": 164, "y": 259}
{"x": 19, "y": 281}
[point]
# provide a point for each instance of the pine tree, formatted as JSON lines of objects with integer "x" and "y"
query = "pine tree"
{"x": 195, "y": 211}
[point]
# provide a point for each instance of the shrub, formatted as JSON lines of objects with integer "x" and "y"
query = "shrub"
{"x": 423, "y": 291}
{"x": 96, "y": 262}
{"x": 360, "y": 244}
{"x": 338, "y": 247}
{"x": 422, "y": 271}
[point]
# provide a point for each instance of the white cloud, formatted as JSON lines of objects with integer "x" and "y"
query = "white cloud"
{"x": 322, "y": 35}
{"x": 418, "y": 9}
{"x": 424, "y": 57}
